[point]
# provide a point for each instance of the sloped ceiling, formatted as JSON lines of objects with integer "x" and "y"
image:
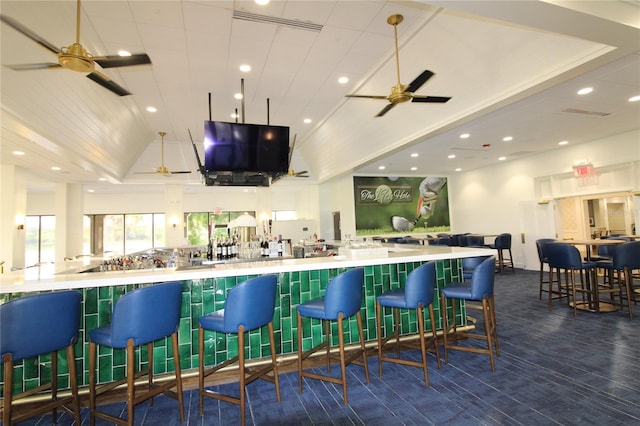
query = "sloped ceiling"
{"x": 517, "y": 63}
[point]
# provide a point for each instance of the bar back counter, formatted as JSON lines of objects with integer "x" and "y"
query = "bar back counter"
{"x": 204, "y": 291}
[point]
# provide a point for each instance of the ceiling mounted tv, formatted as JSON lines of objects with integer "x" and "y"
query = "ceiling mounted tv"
{"x": 241, "y": 147}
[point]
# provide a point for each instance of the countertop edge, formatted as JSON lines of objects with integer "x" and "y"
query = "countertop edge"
{"x": 40, "y": 280}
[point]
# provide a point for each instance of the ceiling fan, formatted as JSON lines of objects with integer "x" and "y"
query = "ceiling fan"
{"x": 291, "y": 172}
{"x": 400, "y": 92}
{"x": 163, "y": 169}
{"x": 76, "y": 57}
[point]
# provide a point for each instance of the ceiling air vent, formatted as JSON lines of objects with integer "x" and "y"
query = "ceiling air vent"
{"x": 585, "y": 112}
{"x": 253, "y": 17}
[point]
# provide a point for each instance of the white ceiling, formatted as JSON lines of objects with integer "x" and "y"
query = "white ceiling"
{"x": 511, "y": 68}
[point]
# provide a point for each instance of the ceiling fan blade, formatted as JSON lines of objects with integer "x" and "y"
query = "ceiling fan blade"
{"x": 385, "y": 110}
{"x": 301, "y": 174}
{"x": 113, "y": 61}
{"x": 107, "y": 83}
{"x": 367, "y": 96}
{"x": 27, "y": 32}
{"x": 419, "y": 81}
{"x": 293, "y": 145}
{"x": 29, "y": 67}
{"x": 182, "y": 172}
{"x": 434, "y": 99}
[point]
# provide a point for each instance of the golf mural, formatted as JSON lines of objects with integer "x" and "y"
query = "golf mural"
{"x": 400, "y": 205}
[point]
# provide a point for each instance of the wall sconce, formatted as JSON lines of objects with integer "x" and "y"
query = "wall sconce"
{"x": 19, "y": 222}
{"x": 174, "y": 221}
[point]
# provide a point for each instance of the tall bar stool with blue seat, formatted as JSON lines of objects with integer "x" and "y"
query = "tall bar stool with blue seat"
{"x": 140, "y": 317}
{"x": 36, "y": 325}
{"x": 565, "y": 260}
{"x": 560, "y": 291}
{"x": 248, "y": 306}
{"x": 626, "y": 259}
{"x": 480, "y": 290}
{"x": 342, "y": 299}
{"x": 417, "y": 294}
{"x": 469, "y": 264}
{"x": 502, "y": 244}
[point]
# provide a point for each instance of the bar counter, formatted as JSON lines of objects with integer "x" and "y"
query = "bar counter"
{"x": 204, "y": 290}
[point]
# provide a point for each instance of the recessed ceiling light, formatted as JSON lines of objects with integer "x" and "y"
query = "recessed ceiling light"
{"x": 124, "y": 53}
{"x": 563, "y": 142}
{"x": 381, "y": 167}
{"x": 458, "y": 169}
{"x": 585, "y": 90}
{"x": 343, "y": 80}
{"x": 151, "y": 109}
{"x": 307, "y": 120}
{"x": 464, "y": 135}
{"x": 102, "y": 179}
{"x": 18, "y": 153}
{"x": 238, "y": 96}
{"x": 634, "y": 98}
{"x": 413, "y": 169}
{"x": 56, "y": 168}
{"x": 451, "y": 156}
{"x": 502, "y": 158}
{"x": 507, "y": 138}
{"x": 91, "y": 190}
{"x": 245, "y": 68}
{"x": 414, "y": 155}
{"x": 262, "y": 2}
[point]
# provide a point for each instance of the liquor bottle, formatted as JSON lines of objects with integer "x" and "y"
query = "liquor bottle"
{"x": 210, "y": 250}
{"x": 219, "y": 250}
{"x": 279, "y": 248}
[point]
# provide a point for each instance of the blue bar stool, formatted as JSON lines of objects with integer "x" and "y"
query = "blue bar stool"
{"x": 626, "y": 259}
{"x": 37, "y": 325}
{"x": 139, "y": 317}
{"x": 342, "y": 299}
{"x": 542, "y": 257}
{"x": 248, "y": 305}
{"x": 565, "y": 260}
{"x": 502, "y": 243}
{"x": 416, "y": 294}
{"x": 480, "y": 290}
{"x": 469, "y": 264}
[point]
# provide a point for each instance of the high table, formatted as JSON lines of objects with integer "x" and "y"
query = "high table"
{"x": 204, "y": 291}
{"x": 593, "y": 287}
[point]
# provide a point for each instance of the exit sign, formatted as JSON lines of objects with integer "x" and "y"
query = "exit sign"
{"x": 583, "y": 170}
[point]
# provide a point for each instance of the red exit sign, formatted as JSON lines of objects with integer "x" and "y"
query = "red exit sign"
{"x": 583, "y": 170}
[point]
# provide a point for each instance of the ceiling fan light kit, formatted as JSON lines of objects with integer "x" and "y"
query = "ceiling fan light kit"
{"x": 401, "y": 93}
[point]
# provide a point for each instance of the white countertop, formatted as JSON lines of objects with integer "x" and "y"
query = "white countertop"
{"x": 49, "y": 277}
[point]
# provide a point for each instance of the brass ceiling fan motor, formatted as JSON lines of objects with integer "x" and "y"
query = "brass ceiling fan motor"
{"x": 403, "y": 92}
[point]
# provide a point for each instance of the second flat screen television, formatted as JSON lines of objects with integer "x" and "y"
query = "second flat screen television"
{"x": 241, "y": 147}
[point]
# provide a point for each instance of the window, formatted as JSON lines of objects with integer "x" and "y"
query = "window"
{"x": 40, "y": 240}
{"x": 202, "y": 225}
{"x": 130, "y": 233}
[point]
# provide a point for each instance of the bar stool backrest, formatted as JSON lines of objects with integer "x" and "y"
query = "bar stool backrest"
{"x": 344, "y": 294}
{"x": 146, "y": 314}
{"x": 250, "y": 303}
{"x": 627, "y": 255}
{"x": 540, "y": 245}
{"x": 563, "y": 256}
{"x": 39, "y": 324}
{"x": 503, "y": 241}
{"x": 483, "y": 279}
{"x": 420, "y": 284}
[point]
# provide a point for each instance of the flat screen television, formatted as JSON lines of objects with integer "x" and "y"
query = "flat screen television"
{"x": 241, "y": 147}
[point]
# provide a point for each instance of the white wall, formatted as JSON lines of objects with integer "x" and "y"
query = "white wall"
{"x": 502, "y": 198}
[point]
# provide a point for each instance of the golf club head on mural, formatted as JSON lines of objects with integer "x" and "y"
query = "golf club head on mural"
{"x": 429, "y": 189}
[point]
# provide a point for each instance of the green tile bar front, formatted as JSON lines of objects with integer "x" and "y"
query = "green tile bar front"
{"x": 204, "y": 295}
